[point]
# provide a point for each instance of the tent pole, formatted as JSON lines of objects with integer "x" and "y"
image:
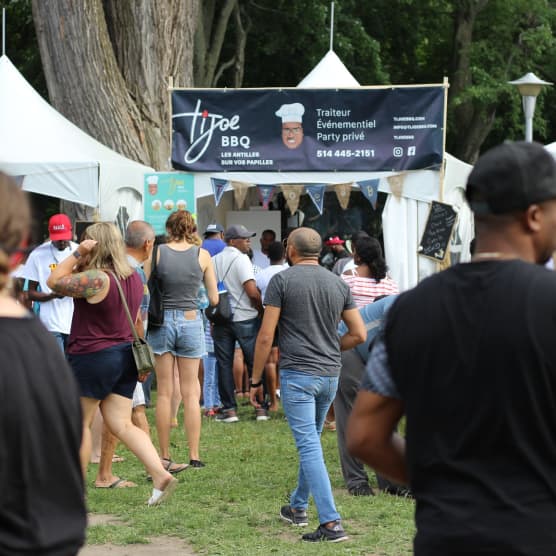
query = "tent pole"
{"x": 332, "y": 26}
{"x": 3, "y": 31}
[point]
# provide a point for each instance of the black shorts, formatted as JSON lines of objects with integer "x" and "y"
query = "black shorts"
{"x": 107, "y": 371}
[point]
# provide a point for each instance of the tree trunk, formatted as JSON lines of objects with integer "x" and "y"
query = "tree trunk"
{"x": 107, "y": 67}
{"x": 471, "y": 125}
{"x": 209, "y": 41}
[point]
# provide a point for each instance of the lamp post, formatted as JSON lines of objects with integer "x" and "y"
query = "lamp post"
{"x": 529, "y": 87}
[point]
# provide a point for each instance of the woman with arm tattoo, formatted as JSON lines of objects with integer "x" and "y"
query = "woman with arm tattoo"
{"x": 99, "y": 347}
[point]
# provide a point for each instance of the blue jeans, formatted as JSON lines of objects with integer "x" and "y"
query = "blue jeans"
{"x": 211, "y": 399}
{"x": 225, "y": 336}
{"x": 306, "y": 399}
{"x": 61, "y": 339}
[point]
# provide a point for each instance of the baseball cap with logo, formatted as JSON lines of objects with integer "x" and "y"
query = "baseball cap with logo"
{"x": 335, "y": 240}
{"x": 59, "y": 228}
{"x": 238, "y": 232}
{"x": 511, "y": 177}
{"x": 213, "y": 228}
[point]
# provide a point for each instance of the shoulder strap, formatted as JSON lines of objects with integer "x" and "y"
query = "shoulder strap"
{"x": 126, "y": 308}
{"x": 230, "y": 267}
{"x": 153, "y": 257}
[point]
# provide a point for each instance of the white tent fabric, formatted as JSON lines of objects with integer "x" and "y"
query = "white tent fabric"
{"x": 329, "y": 72}
{"x": 55, "y": 156}
{"x": 403, "y": 219}
{"x": 551, "y": 148}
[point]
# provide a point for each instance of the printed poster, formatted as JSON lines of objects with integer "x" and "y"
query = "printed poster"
{"x": 166, "y": 192}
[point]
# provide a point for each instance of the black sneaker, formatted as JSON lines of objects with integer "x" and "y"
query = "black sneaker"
{"x": 401, "y": 491}
{"x": 227, "y": 416}
{"x": 196, "y": 463}
{"x": 297, "y": 518}
{"x": 335, "y": 533}
{"x": 361, "y": 490}
{"x": 261, "y": 414}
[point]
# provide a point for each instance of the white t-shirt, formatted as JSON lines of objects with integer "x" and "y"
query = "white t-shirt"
{"x": 55, "y": 314}
{"x": 260, "y": 259}
{"x": 263, "y": 277}
{"x": 239, "y": 272}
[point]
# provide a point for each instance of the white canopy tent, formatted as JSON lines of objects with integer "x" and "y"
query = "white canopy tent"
{"x": 58, "y": 159}
{"x": 404, "y": 217}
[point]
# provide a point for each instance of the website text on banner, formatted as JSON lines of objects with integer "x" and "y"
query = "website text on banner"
{"x": 388, "y": 129}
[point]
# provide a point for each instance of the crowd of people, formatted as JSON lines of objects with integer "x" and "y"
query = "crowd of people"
{"x": 467, "y": 357}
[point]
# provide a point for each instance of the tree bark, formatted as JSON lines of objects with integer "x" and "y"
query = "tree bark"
{"x": 472, "y": 125}
{"x": 107, "y": 67}
{"x": 209, "y": 40}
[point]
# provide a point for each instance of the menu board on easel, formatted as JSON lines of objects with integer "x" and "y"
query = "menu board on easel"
{"x": 438, "y": 231}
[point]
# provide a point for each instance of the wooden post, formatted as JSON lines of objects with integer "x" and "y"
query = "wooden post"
{"x": 170, "y": 89}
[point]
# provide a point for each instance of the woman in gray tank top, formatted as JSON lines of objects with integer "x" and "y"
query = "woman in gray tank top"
{"x": 181, "y": 267}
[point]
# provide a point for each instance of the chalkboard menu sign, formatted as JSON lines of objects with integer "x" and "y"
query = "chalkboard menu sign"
{"x": 438, "y": 230}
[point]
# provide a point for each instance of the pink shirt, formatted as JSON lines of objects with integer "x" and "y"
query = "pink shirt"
{"x": 97, "y": 326}
{"x": 365, "y": 290}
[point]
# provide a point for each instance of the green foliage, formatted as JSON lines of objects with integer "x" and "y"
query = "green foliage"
{"x": 21, "y": 42}
{"x": 381, "y": 42}
{"x": 231, "y": 506}
{"x": 288, "y": 39}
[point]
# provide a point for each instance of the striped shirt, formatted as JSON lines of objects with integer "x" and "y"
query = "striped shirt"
{"x": 365, "y": 290}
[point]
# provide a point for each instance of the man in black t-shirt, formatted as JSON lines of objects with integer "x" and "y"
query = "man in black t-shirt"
{"x": 469, "y": 356}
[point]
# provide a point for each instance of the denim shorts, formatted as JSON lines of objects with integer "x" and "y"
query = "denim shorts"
{"x": 179, "y": 336}
{"x": 109, "y": 371}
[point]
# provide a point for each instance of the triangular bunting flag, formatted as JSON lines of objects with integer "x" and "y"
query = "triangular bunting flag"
{"x": 218, "y": 188}
{"x": 343, "y": 191}
{"x": 265, "y": 194}
{"x": 292, "y": 194}
{"x": 369, "y": 188}
{"x": 396, "y": 184}
{"x": 316, "y": 192}
{"x": 240, "y": 192}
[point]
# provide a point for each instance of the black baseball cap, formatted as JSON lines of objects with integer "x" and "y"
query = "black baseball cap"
{"x": 238, "y": 232}
{"x": 511, "y": 177}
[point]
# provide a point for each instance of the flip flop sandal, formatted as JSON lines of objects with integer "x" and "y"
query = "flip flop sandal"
{"x": 171, "y": 467}
{"x": 159, "y": 496}
{"x": 118, "y": 483}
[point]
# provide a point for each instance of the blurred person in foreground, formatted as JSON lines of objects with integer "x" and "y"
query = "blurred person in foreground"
{"x": 306, "y": 303}
{"x": 99, "y": 347}
{"x": 42, "y": 509}
{"x": 476, "y": 378}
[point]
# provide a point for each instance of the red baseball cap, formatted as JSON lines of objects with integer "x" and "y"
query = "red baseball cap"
{"x": 334, "y": 241}
{"x": 59, "y": 228}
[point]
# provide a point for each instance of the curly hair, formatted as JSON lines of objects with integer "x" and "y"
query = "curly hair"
{"x": 181, "y": 226}
{"x": 109, "y": 253}
{"x": 15, "y": 217}
{"x": 369, "y": 252}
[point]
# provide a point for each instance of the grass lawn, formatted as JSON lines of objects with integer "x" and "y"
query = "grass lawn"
{"x": 231, "y": 506}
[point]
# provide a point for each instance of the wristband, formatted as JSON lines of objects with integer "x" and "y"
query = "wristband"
{"x": 256, "y": 384}
{"x": 76, "y": 254}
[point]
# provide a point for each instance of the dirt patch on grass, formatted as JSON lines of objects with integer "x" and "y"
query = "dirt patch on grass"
{"x": 169, "y": 546}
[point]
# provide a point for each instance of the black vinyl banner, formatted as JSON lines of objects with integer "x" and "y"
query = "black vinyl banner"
{"x": 388, "y": 129}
